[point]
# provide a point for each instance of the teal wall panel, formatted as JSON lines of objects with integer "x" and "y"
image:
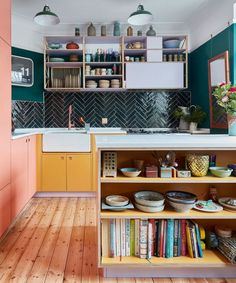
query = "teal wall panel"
{"x": 34, "y": 93}
{"x": 199, "y": 66}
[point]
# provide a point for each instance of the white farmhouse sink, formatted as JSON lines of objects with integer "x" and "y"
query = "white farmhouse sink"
{"x": 66, "y": 141}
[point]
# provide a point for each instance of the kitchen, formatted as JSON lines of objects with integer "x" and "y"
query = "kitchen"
{"x": 103, "y": 115}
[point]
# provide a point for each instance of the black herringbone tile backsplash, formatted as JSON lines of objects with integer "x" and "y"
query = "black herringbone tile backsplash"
{"x": 136, "y": 109}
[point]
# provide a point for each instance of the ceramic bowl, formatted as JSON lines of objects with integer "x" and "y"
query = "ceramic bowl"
{"x": 117, "y": 200}
{"x": 151, "y": 209}
{"x": 181, "y": 197}
{"x": 149, "y": 198}
{"x": 172, "y": 43}
{"x": 232, "y": 166}
{"x": 130, "y": 172}
{"x": 180, "y": 207}
{"x": 221, "y": 172}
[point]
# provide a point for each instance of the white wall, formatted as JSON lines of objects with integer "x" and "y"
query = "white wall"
{"x": 210, "y": 20}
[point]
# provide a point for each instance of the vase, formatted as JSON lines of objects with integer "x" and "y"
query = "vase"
{"x": 91, "y": 30}
{"x": 232, "y": 124}
{"x": 103, "y": 30}
{"x": 151, "y": 32}
{"x": 116, "y": 31}
{"x": 192, "y": 126}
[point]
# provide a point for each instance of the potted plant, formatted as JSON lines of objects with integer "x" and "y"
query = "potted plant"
{"x": 225, "y": 95}
{"x": 193, "y": 117}
{"x": 180, "y": 113}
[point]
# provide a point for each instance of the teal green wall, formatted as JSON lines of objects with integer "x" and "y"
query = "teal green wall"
{"x": 199, "y": 66}
{"x": 34, "y": 93}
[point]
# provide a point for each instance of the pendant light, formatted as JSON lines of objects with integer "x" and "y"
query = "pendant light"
{"x": 140, "y": 17}
{"x": 46, "y": 17}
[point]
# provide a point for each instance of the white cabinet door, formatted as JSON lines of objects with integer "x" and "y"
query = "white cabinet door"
{"x": 155, "y": 75}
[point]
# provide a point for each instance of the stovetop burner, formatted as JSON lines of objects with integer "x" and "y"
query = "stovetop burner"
{"x": 151, "y": 131}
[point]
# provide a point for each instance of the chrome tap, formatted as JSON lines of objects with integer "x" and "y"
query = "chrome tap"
{"x": 70, "y": 124}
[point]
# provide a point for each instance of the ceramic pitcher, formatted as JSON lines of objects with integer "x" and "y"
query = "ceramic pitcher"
{"x": 116, "y": 31}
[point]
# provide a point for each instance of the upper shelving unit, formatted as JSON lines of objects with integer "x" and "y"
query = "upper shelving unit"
{"x": 93, "y": 57}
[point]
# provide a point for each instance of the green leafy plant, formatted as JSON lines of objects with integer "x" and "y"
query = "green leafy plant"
{"x": 197, "y": 115}
{"x": 225, "y": 95}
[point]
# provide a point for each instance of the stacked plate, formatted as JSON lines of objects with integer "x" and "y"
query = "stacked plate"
{"x": 104, "y": 83}
{"x": 116, "y": 203}
{"x": 91, "y": 84}
{"x": 181, "y": 201}
{"x": 149, "y": 201}
{"x": 228, "y": 203}
{"x": 115, "y": 83}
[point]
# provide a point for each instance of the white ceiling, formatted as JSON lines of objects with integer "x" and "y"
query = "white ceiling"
{"x": 106, "y": 11}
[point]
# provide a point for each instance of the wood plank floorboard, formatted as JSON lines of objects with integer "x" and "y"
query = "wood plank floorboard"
{"x": 55, "y": 240}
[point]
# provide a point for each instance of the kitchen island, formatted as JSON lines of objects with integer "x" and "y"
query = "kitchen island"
{"x": 140, "y": 147}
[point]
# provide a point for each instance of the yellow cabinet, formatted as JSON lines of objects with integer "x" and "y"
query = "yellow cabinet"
{"x": 79, "y": 172}
{"x": 53, "y": 172}
{"x": 66, "y": 172}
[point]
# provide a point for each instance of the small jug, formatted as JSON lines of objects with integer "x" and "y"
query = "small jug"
{"x": 129, "y": 31}
{"x": 116, "y": 31}
{"x": 91, "y": 30}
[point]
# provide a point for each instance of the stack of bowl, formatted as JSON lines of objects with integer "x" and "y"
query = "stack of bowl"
{"x": 149, "y": 201}
{"x": 91, "y": 84}
{"x": 181, "y": 201}
{"x": 115, "y": 83}
{"x": 104, "y": 83}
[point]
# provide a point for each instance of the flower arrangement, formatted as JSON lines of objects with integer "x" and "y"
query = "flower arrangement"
{"x": 225, "y": 95}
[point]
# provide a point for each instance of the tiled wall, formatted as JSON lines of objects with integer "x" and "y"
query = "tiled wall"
{"x": 136, "y": 109}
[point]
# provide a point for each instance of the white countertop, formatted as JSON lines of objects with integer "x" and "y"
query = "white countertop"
{"x": 166, "y": 141}
{"x": 20, "y": 133}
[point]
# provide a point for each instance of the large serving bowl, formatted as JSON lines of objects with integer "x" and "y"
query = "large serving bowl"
{"x": 130, "y": 172}
{"x": 116, "y": 200}
{"x": 181, "y": 197}
{"x": 181, "y": 207}
{"x": 171, "y": 43}
{"x": 149, "y": 198}
{"x": 152, "y": 209}
{"x": 221, "y": 172}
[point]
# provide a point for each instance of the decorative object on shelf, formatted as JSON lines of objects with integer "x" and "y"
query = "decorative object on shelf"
{"x": 91, "y": 84}
{"x": 135, "y": 45}
{"x": 213, "y": 195}
{"x": 73, "y": 58}
{"x": 228, "y": 203}
{"x": 140, "y": 17}
{"x": 151, "y": 32}
{"x": 171, "y": 43}
{"x": 180, "y": 113}
{"x": 211, "y": 240}
{"x": 129, "y": 31}
{"x": 233, "y": 166}
{"x": 116, "y": 29}
{"x": 207, "y": 206}
{"x": 198, "y": 164}
{"x": 181, "y": 201}
{"x": 212, "y": 160}
{"x": 55, "y": 45}
{"x": 116, "y": 200}
{"x": 139, "y": 33}
{"x": 182, "y": 173}
{"x": 221, "y": 172}
{"x": 77, "y": 31}
{"x": 91, "y": 31}
{"x": 104, "y": 83}
{"x": 46, "y": 17}
{"x": 103, "y": 30}
{"x": 109, "y": 167}
{"x": 149, "y": 198}
{"x": 225, "y": 95}
{"x": 151, "y": 171}
{"x": 130, "y": 172}
{"x": 223, "y": 231}
{"x": 72, "y": 45}
{"x": 117, "y": 208}
{"x": 166, "y": 172}
{"x": 227, "y": 246}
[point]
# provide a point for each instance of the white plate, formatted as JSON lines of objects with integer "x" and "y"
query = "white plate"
{"x": 227, "y": 206}
{"x": 117, "y": 200}
{"x": 115, "y": 208}
{"x": 211, "y": 207}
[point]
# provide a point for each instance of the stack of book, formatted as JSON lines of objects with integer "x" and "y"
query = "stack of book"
{"x": 145, "y": 238}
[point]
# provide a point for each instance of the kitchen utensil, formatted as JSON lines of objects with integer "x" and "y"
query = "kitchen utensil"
{"x": 116, "y": 200}
{"x": 109, "y": 166}
{"x": 221, "y": 172}
{"x": 149, "y": 198}
{"x": 198, "y": 164}
{"x": 130, "y": 172}
{"x": 207, "y": 206}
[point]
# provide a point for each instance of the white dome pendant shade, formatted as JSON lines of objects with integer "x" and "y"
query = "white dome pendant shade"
{"x": 140, "y": 17}
{"x": 46, "y": 17}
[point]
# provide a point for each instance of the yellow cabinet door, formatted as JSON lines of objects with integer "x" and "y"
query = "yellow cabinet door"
{"x": 54, "y": 172}
{"x": 79, "y": 172}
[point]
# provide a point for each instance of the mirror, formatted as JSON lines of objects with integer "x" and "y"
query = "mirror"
{"x": 218, "y": 72}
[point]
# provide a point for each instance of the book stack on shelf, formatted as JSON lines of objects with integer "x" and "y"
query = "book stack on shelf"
{"x": 145, "y": 238}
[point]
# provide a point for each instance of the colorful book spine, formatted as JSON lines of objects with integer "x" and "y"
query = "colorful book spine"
{"x": 105, "y": 238}
{"x": 200, "y": 253}
{"x": 112, "y": 238}
{"x": 170, "y": 238}
{"x": 179, "y": 238}
{"x": 164, "y": 239}
{"x": 183, "y": 238}
{"x": 156, "y": 238}
{"x": 189, "y": 242}
{"x": 143, "y": 240}
{"x": 152, "y": 236}
{"x": 176, "y": 230}
{"x": 150, "y": 240}
{"x": 122, "y": 237}
{"x": 118, "y": 234}
{"x": 132, "y": 237}
{"x": 136, "y": 236}
{"x": 127, "y": 237}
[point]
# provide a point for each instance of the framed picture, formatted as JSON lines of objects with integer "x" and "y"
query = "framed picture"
{"x": 22, "y": 73}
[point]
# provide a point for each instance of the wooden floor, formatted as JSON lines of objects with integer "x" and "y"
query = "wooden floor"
{"x": 54, "y": 240}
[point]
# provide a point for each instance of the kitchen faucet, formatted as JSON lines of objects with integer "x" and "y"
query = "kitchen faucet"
{"x": 70, "y": 124}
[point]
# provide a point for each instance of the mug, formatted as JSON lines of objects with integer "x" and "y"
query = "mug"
{"x": 127, "y": 58}
{"x": 109, "y": 72}
{"x": 92, "y": 72}
{"x": 97, "y": 71}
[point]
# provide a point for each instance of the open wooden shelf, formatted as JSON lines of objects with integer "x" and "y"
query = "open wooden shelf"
{"x": 167, "y": 214}
{"x": 210, "y": 259}
{"x": 194, "y": 180}
{"x": 64, "y": 64}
